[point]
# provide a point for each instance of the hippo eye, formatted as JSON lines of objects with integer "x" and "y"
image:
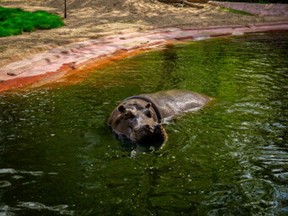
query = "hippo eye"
{"x": 147, "y": 113}
{"x": 148, "y": 106}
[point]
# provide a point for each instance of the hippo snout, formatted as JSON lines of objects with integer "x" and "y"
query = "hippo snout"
{"x": 147, "y": 130}
{"x": 150, "y": 134}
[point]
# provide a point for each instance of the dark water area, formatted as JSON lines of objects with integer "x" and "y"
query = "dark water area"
{"x": 58, "y": 157}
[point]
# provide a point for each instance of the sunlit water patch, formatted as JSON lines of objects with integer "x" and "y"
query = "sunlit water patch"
{"x": 58, "y": 156}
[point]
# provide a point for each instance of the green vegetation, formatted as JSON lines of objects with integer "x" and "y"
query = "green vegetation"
{"x": 14, "y": 21}
{"x": 235, "y": 11}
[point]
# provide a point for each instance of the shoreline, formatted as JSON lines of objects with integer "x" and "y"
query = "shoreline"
{"x": 57, "y": 64}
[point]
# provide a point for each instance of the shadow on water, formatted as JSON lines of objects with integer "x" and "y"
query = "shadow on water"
{"x": 58, "y": 157}
{"x": 169, "y": 60}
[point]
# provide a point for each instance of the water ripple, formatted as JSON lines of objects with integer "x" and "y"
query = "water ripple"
{"x": 62, "y": 209}
{"x": 4, "y": 184}
{"x": 13, "y": 171}
{"x": 275, "y": 158}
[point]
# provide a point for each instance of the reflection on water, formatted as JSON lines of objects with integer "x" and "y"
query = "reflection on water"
{"x": 59, "y": 158}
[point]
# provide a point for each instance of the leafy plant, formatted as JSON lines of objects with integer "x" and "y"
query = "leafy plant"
{"x": 14, "y": 21}
{"x": 236, "y": 11}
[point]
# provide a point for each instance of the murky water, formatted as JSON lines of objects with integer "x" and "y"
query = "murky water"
{"x": 57, "y": 156}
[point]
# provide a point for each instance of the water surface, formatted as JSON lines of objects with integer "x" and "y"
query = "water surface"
{"x": 57, "y": 156}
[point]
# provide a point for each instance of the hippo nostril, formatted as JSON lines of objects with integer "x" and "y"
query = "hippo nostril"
{"x": 147, "y": 128}
{"x": 157, "y": 129}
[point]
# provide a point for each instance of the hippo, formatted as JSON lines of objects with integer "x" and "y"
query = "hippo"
{"x": 139, "y": 119}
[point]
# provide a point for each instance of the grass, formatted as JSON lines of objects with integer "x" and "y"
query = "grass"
{"x": 236, "y": 11}
{"x": 14, "y": 21}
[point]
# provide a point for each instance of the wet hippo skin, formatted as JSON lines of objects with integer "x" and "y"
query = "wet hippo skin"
{"x": 139, "y": 119}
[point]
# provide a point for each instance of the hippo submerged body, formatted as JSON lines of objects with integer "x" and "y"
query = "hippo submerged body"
{"x": 139, "y": 119}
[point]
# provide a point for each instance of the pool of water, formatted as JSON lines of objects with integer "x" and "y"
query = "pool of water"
{"x": 58, "y": 157}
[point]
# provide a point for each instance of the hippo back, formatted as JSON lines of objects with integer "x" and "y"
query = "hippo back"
{"x": 173, "y": 102}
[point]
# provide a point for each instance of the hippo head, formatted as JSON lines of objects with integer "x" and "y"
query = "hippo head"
{"x": 137, "y": 124}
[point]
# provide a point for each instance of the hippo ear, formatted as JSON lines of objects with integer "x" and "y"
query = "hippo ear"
{"x": 148, "y": 106}
{"x": 121, "y": 109}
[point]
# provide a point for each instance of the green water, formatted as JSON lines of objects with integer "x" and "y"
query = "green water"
{"x": 57, "y": 156}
